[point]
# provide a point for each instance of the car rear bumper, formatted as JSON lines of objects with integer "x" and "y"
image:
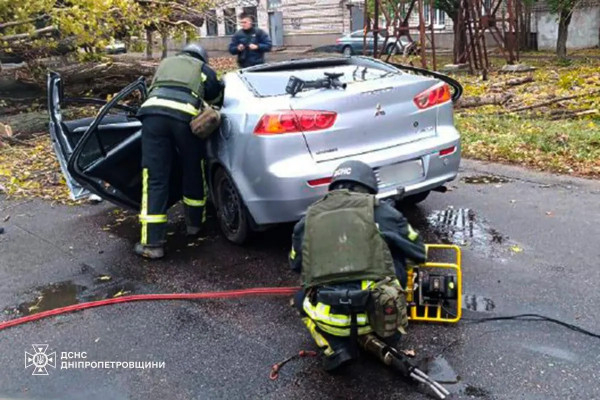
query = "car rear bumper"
{"x": 284, "y": 193}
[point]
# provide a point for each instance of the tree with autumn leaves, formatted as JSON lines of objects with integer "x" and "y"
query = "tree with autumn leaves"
{"x": 34, "y": 28}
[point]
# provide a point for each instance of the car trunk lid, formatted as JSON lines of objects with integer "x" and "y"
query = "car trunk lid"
{"x": 371, "y": 115}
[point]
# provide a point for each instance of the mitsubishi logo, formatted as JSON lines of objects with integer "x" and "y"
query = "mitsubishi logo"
{"x": 379, "y": 111}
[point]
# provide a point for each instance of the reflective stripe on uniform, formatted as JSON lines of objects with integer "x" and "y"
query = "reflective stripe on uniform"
{"x": 154, "y": 219}
{"x": 412, "y": 234}
{"x": 322, "y": 313}
{"x": 194, "y": 202}
{"x": 366, "y": 284}
{"x": 205, "y": 186}
{"x": 292, "y": 254}
{"x": 318, "y": 338}
{"x": 362, "y": 330}
{"x": 146, "y": 219}
{"x": 175, "y": 105}
{"x": 144, "y": 211}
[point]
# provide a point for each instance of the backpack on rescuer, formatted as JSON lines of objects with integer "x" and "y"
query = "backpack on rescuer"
{"x": 386, "y": 308}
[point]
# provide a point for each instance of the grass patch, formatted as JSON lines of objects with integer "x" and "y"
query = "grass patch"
{"x": 562, "y": 136}
{"x": 570, "y": 147}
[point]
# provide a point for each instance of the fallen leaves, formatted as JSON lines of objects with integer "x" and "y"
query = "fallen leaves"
{"x": 121, "y": 293}
{"x": 549, "y": 121}
{"x": 33, "y": 172}
{"x": 516, "y": 249}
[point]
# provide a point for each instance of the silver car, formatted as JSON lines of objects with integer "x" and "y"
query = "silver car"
{"x": 275, "y": 152}
{"x": 355, "y": 42}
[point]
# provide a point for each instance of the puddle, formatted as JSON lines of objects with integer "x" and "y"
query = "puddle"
{"x": 484, "y": 179}
{"x": 67, "y": 293}
{"x": 51, "y": 297}
{"x": 475, "y": 391}
{"x": 461, "y": 389}
{"x": 462, "y": 226}
{"x": 478, "y": 303}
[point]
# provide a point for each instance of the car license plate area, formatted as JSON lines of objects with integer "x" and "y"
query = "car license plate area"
{"x": 399, "y": 173}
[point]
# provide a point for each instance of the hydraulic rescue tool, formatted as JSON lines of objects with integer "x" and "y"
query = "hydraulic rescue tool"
{"x": 393, "y": 358}
{"x": 331, "y": 81}
{"x": 433, "y": 294}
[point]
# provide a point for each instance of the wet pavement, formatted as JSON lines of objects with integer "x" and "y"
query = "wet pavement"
{"x": 527, "y": 242}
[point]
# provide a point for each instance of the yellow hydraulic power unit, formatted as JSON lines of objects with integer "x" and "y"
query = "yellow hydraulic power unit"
{"x": 434, "y": 289}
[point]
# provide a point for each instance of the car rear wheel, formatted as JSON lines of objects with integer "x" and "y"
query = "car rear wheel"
{"x": 231, "y": 212}
{"x": 347, "y": 50}
{"x": 415, "y": 198}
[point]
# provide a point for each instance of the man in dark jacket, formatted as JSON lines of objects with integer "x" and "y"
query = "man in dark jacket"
{"x": 344, "y": 252}
{"x": 174, "y": 98}
{"x": 249, "y": 43}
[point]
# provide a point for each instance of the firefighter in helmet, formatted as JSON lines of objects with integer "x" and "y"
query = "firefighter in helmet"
{"x": 352, "y": 252}
{"x": 178, "y": 87}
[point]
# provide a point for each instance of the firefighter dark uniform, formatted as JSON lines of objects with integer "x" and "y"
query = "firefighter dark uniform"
{"x": 174, "y": 97}
{"x": 351, "y": 257}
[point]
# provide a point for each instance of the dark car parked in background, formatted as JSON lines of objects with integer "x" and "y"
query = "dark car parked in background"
{"x": 353, "y": 43}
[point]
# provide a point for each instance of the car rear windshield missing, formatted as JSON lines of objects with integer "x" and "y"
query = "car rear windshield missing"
{"x": 271, "y": 80}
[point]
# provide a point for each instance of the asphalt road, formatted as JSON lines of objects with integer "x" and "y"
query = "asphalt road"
{"x": 530, "y": 245}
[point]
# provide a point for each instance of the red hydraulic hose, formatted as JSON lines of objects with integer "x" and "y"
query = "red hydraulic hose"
{"x": 267, "y": 291}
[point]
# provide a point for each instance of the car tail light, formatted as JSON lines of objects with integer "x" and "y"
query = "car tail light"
{"x": 433, "y": 96}
{"x": 294, "y": 121}
{"x": 447, "y": 151}
{"x": 320, "y": 181}
{"x": 337, "y": 41}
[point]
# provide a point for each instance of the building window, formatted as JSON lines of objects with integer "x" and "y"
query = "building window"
{"x": 272, "y": 4}
{"x": 251, "y": 11}
{"x": 439, "y": 17}
{"x": 211, "y": 23}
{"x": 487, "y": 4}
{"x": 230, "y": 21}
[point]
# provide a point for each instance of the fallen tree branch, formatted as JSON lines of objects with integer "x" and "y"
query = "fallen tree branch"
{"x": 177, "y": 23}
{"x": 574, "y": 114}
{"x": 34, "y": 34}
{"x": 513, "y": 82}
{"x": 548, "y": 102}
{"x": 477, "y": 101}
{"x": 23, "y": 22}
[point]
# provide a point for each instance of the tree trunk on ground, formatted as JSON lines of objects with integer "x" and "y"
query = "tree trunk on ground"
{"x": 22, "y": 85}
{"x": 478, "y": 101}
{"x": 563, "y": 32}
{"x": 148, "y": 44}
{"x": 459, "y": 55}
{"x": 26, "y": 124}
